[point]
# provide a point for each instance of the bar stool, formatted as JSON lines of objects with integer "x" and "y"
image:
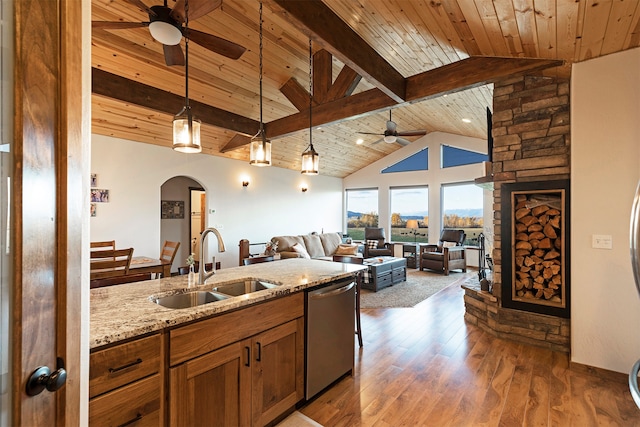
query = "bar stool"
{"x": 354, "y": 260}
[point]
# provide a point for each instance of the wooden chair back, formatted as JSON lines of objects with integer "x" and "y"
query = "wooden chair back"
{"x": 168, "y": 252}
{"x": 348, "y": 259}
{"x": 110, "y": 263}
{"x": 257, "y": 259}
{"x": 107, "y": 244}
{"x": 119, "y": 280}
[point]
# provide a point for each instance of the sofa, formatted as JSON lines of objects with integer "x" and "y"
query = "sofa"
{"x": 315, "y": 246}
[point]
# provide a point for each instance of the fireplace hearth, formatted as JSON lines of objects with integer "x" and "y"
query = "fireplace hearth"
{"x": 535, "y": 236}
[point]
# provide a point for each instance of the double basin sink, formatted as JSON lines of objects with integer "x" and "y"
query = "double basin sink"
{"x": 219, "y": 293}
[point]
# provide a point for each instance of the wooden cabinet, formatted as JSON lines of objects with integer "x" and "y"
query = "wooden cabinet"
{"x": 125, "y": 384}
{"x": 242, "y": 368}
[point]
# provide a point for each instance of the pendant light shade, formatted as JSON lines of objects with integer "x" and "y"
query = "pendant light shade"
{"x": 260, "y": 151}
{"x": 310, "y": 158}
{"x": 260, "y": 154}
{"x": 310, "y": 161}
{"x": 186, "y": 132}
{"x": 186, "y": 128}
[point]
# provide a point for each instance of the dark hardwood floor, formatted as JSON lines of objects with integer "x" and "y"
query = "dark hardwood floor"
{"x": 424, "y": 366}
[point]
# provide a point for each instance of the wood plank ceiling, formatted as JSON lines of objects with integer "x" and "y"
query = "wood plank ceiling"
{"x": 395, "y": 45}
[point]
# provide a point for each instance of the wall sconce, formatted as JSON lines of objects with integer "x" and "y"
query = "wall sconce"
{"x": 304, "y": 189}
{"x": 245, "y": 183}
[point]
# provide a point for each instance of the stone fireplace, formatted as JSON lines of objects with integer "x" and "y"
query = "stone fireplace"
{"x": 531, "y": 158}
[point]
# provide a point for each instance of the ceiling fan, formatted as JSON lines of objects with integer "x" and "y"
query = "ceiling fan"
{"x": 392, "y": 135}
{"x": 165, "y": 26}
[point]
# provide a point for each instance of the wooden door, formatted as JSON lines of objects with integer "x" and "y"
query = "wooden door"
{"x": 213, "y": 389}
{"x": 278, "y": 371}
{"x": 48, "y": 204}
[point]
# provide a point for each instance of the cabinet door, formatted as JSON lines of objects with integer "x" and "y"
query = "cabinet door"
{"x": 278, "y": 370}
{"x": 213, "y": 389}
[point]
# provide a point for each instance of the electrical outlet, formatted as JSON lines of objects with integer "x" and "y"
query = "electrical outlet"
{"x": 602, "y": 241}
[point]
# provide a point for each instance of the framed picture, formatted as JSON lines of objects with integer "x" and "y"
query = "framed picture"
{"x": 99, "y": 195}
{"x": 172, "y": 209}
{"x": 94, "y": 209}
{"x": 94, "y": 180}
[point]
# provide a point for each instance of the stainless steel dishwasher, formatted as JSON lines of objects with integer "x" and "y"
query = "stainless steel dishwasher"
{"x": 330, "y": 334}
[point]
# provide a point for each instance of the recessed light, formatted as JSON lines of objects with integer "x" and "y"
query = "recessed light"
{"x": 359, "y": 141}
{"x": 466, "y": 120}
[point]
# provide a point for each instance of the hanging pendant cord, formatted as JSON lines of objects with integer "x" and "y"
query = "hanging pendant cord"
{"x": 262, "y": 135}
{"x": 186, "y": 51}
{"x": 310, "y": 95}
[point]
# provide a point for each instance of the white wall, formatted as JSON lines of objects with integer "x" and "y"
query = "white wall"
{"x": 370, "y": 177}
{"x": 271, "y": 205}
{"x": 605, "y": 168}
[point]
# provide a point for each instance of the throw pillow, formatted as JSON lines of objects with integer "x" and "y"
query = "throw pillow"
{"x": 299, "y": 249}
{"x": 372, "y": 244}
{"x": 347, "y": 250}
{"x": 448, "y": 244}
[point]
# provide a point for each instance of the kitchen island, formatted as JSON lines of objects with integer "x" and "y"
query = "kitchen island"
{"x": 216, "y": 363}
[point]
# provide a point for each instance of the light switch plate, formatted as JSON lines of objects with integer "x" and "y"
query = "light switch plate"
{"x": 602, "y": 241}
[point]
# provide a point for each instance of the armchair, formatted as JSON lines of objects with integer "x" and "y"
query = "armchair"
{"x": 447, "y": 255}
{"x": 372, "y": 249}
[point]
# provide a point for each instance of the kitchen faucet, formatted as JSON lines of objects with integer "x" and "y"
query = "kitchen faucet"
{"x": 203, "y": 274}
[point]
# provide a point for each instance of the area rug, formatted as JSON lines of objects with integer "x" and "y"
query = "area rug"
{"x": 419, "y": 286}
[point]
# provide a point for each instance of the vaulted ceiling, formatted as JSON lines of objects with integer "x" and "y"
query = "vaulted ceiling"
{"x": 432, "y": 62}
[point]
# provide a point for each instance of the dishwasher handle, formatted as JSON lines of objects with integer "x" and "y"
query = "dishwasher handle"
{"x": 320, "y": 295}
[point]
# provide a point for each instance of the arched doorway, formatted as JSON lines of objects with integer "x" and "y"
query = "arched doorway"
{"x": 186, "y": 226}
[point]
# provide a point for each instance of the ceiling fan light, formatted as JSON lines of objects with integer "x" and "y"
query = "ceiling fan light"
{"x": 165, "y": 32}
{"x": 389, "y": 139}
{"x": 186, "y": 132}
{"x": 260, "y": 151}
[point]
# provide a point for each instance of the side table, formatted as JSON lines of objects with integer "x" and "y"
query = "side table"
{"x": 410, "y": 252}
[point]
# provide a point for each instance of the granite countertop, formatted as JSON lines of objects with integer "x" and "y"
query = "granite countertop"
{"x": 126, "y": 311}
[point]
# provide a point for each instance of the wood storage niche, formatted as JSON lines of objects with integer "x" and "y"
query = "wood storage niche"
{"x": 535, "y": 253}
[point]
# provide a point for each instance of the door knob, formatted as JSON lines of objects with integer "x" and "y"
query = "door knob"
{"x": 43, "y": 378}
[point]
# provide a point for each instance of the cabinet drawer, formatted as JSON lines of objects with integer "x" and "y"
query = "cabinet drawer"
{"x": 398, "y": 275}
{"x": 136, "y": 404}
{"x": 384, "y": 280}
{"x": 122, "y": 364}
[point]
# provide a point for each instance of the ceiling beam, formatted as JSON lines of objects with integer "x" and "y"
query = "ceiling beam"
{"x": 347, "y": 108}
{"x": 113, "y": 86}
{"x": 460, "y": 75}
{"x": 316, "y": 20}
{"x": 471, "y": 72}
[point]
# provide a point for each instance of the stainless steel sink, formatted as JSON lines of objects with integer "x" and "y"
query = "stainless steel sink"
{"x": 244, "y": 287}
{"x": 189, "y": 299}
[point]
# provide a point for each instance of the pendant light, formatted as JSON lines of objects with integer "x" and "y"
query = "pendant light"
{"x": 260, "y": 151}
{"x": 310, "y": 159}
{"x": 186, "y": 128}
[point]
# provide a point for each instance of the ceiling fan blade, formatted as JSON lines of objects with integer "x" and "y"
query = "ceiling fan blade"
{"x": 402, "y": 141}
{"x": 412, "y": 132}
{"x": 117, "y": 25}
{"x": 370, "y": 133}
{"x": 215, "y": 44}
{"x": 173, "y": 54}
{"x": 197, "y": 8}
{"x": 143, "y": 7}
{"x": 391, "y": 126}
{"x": 378, "y": 141}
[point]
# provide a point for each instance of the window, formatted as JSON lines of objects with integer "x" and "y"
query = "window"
{"x": 462, "y": 208}
{"x": 362, "y": 211}
{"x": 416, "y": 162}
{"x": 452, "y": 156}
{"x": 409, "y": 208}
